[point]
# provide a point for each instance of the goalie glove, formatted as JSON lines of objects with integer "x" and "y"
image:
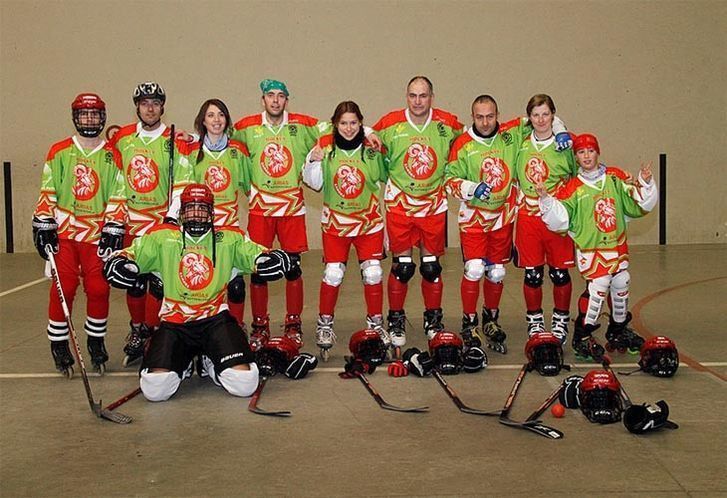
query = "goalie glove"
{"x": 112, "y": 239}
{"x": 301, "y": 365}
{"x": 639, "y": 419}
{"x": 272, "y": 265}
{"x": 121, "y": 272}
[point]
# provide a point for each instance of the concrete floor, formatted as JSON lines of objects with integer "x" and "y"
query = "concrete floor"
{"x": 338, "y": 442}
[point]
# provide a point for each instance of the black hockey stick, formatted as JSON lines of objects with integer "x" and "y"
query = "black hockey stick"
{"x": 104, "y": 413}
{"x": 123, "y": 399}
{"x": 383, "y": 404}
{"x": 171, "y": 168}
{"x": 458, "y": 402}
{"x": 256, "y": 397}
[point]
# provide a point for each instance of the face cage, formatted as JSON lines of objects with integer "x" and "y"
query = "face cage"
{"x": 448, "y": 359}
{"x": 88, "y": 131}
{"x": 547, "y": 359}
{"x": 191, "y": 220}
{"x": 601, "y": 406}
{"x": 271, "y": 361}
{"x": 661, "y": 363}
{"x": 372, "y": 351}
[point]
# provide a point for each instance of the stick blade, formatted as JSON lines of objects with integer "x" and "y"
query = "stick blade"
{"x": 475, "y": 411}
{"x": 394, "y": 408}
{"x": 260, "y": 411}
{"x": 534, "y": 426}
{"x": 116, "y": 417}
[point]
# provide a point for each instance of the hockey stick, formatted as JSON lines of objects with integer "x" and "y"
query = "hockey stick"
{"x": 123, "y": 399}
{"x": 252, "y": 406}
{"x": 171, "y": 168}
{"x": 458, "y": 402}
{"x": 119, "y": 418}
{"x": 383, "y": 404}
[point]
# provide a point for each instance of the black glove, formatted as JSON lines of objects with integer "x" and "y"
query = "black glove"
{"x": 156, "y": 286}
{"x": 355, "y": 366}
{"x": 418, "y": 363}
{"x": 568, "y": 396}
{"x": 301, "y": 365}
{"x": 643, "y": 418}
{"x": 474, "y": 360}
{"x": 121, "y": 272}
{"x": 272, "y": 265}
{"x": 112, "y": 239}
{"x": 45, "y": 233}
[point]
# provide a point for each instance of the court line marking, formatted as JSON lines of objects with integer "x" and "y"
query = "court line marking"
{"x": 24, "y": 286}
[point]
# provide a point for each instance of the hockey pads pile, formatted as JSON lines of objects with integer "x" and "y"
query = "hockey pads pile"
{"x": 112, "y": 239}
{"x": 272, "y": 265}
{"x": 45, "y": 233}
{"x": 121, "y": 272}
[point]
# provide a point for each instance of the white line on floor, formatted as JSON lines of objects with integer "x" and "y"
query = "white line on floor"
{"x": 21, "y": 287}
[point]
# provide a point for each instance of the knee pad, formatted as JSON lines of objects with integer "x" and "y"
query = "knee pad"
{"x": 139, "y": 288}
{"x": 597, "y": 292}
{"x": 371, "y": 272}
{"x": 403, "y": 268}
{"x": 240, "y": 382}
{"x": 474, "y": 269}
{"x": 534, "y": 276}
{"x": 159, "y": 386}
{"x": 255, "y": 279}
{"x": 559, "y": 276}
{"x": 496, "y": 273}
{"x": 430, "y": 268}
{"x": 295, "y": 270}
{"x": 333, "y": 274}
{"x": 236, "y": 290}
{"x": 156, "y": 286}
{"x": 620, "y": 295}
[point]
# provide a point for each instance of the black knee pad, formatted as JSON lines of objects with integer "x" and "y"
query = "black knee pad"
{"x": 295, "y": 270}
{"x": 430, "y": 268}
{"x": 534, "y": 276}
{"x": 403, "y": 270}
{"x": 236, "y": 290}
{"x": 559, "y": 276}
{"x": 139, "y": 288}
{"x": 255, "y": 279}
{"x": 156, "y": 286}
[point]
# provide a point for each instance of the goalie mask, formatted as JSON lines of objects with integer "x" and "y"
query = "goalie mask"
{"x": 197, "y": 209}
{"x": 600, "y": 397}
{"x": 659, "y": 357}
{"x": 446, "y": 351}
{"x": 545, "y": 353}
{"x": 367, "y": 346}
{"x": 275, "y": 355}
{"x": 89, "y": 114}
{"x": 149, "y": 90}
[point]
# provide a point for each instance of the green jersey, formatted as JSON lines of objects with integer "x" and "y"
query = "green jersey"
{"x": 195, "y": 274}
{"x": 416, "y": 159}
{"x": 81, "y": 189}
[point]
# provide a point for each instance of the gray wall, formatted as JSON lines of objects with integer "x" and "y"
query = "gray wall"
{"x": 646, "y": 76}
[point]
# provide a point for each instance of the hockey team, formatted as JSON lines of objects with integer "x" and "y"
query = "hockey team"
{"x": 155, "y": 212}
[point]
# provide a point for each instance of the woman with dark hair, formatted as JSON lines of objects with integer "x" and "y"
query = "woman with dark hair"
{"x": 350, "y": 175}
{"x": 223, "y": 165}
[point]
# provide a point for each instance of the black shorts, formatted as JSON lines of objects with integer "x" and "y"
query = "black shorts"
{"x": 174, "y": 345}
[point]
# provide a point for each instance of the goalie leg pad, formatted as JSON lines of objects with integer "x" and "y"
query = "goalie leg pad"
{"x": 620, "y": 295}
{"x": 597, "y": 292}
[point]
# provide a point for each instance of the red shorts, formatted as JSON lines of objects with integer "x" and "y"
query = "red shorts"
{"x": 406, "y": 232}
{"x": 537, "y": 246}
{"x": 336, "y": 249}
{"x": 290, "y": 231}
{"x": 495, "y": 246}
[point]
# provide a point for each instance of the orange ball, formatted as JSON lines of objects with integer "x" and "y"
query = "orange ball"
{"x": 558, "y": 410}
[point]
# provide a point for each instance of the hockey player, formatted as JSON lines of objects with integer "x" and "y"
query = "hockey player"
{"x": 223, "y": 165}
{"x": 145, "y": 151}
{"x": 593, "y": 208}
{"x": 542, "y": 158}
{"x": 417, "y": 141}
{"x": 350, "y": 175}
{"x": 80, "y": 216}
{"x": 195, "y": 262}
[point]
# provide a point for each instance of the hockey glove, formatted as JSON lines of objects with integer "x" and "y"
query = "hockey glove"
{"x": 112, "y": 239}
{"x": 45, "y": 233}
{"x": 474, "y": 360}
{"x": 272, "y": 265}
{"x": 418, "y": 363}
{"x": 563, "y": 141}
{"x": 482, "y": 191}
{"x": 121, "y": 272}
{"x": 398, "y": 369}
{"x": 643, "y": 418}
{"x": 301, "y": 365}
{"x": 569, "y": 394}
{"x": 355, "y": 366}
{"x": 156, "y": 286}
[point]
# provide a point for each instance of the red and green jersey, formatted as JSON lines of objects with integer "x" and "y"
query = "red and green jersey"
{"x": 145, "y": 161}
{"x": 277, "y": 154}
{"x": 195, "y": 275}
{"x": 351, "y": 186}
{"x": 81, "y": 189}
{"x": 416, "y": 159}
{"x": 596, "y": 215}
{"x": 473, "y": 159}
{"x": 539, "y": 161}
{"x": 226, "y": 173}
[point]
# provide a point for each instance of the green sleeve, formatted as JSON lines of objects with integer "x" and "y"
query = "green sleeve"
{"x": 630, "y": 205}
{"x": 244, "y": 184}
{"x": 145, "y": 251}
{"x": 246, "y": 252}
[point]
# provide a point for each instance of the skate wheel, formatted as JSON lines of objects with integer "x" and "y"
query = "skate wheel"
{"x": 68, "y": 373}
{"x": 325, "y": 354}
{"x": 100, "y": 368}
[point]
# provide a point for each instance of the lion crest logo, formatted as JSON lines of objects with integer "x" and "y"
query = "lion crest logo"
{"x": 217, "y": 178}
{"x": 494, "y": 173}
{"x": 536, "y": 170}
{"x": 420, "y": 161}
{"x": 195, "y": 271}
{"x": 348, "y": 182}
{"x": 86, "y": 184}
{"x": 142, "y": 174}
{"x": 605, "y": 214}
{"x": 275, "y": 160}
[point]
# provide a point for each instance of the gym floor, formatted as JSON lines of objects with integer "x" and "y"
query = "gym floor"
{"x": 338, "y": 442}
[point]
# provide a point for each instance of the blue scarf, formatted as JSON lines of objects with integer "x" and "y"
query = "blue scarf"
{"x": 221, "y": 144}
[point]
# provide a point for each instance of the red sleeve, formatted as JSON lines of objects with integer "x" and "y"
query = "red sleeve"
{"x": 247, "y": 121}
{"x": 390, "y": 119}
{"x": 459, "y": 142}
{"x": 568, "y": 189}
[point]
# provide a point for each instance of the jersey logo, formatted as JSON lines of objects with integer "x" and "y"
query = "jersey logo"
{"x": 142, "y": 174}
{"x": 536, "y": 170}
{"x": 494, "y": 173}
{"x": 605, "y": 214}
{"x": 86, "y": 184}
{"x": 275, "y": 160}
{"x": 348, "y": 182}
{"x": 420, "y": 161}
{"x": 217, "y": 178}
{"x": 195, "y": 271}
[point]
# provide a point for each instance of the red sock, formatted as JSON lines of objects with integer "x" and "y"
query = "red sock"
{"x": 374, "y": 295}
{"x": 493, "y": 293}
{"x": 328, "y": 296}
{"x": 470, "y": 292}
{"x": 136, "y": 307}
{"x": 151, "y": 311}
{"x": 237, "y": 310}
{"x": 583, "y": 302}
{"x": 397, "y": 293}
{"x": 294, "y": 296}
{"x": 533, "y": 297}
{"x": 561, "y": 296}
{"x": 432, "y": 293}
{"x": 259, "y": 300}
